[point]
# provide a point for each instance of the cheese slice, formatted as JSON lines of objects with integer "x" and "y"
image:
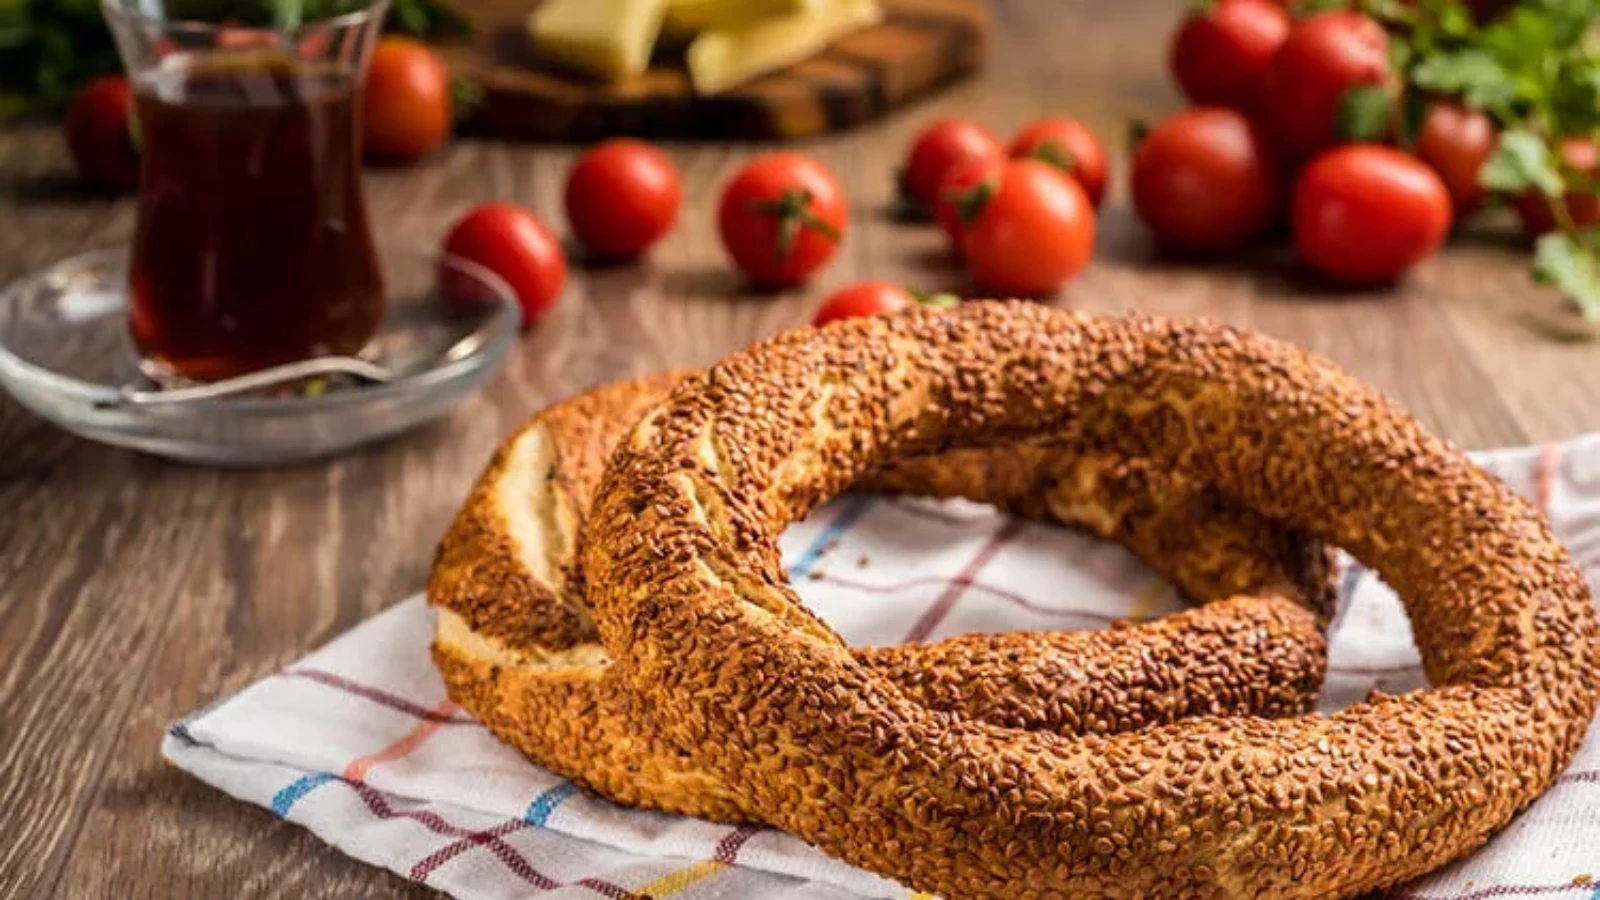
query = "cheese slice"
{"x": 723, "y": 58}
{"x": 610, "y": 39}
{"x": 686, "y": 17}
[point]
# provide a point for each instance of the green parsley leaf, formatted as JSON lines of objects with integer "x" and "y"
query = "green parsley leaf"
{"x": 1568, "y": 263}
{"x": 1522, "y": 161}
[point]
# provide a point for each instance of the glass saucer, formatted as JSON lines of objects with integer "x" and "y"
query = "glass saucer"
{"x": 65, "y": 354}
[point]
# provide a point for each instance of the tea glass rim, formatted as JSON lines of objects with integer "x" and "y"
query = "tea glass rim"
{"x": 127, "y": 11}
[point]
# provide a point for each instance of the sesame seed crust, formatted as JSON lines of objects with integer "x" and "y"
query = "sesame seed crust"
{"x": 689, "y": 596}
{"x": 518, "y": 649}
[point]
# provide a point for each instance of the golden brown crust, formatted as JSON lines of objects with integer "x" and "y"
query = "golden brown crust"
{"x": 480, "y": 571}
{"x": 517, "y": 648}
{"x": 690, "y": 599}
{"x": 1241, "y": 655}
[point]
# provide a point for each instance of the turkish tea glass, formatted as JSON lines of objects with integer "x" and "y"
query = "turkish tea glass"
{"x": 253, "y": 246}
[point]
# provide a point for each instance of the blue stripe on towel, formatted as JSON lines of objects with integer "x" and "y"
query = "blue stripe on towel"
{"x": 855, "y": 506}
{"x": 543, "y": 805}
{"x": 285, "y": 799}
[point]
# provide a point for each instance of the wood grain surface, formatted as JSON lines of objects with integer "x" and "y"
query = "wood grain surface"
{"x": 135, "y": 591}
{"x": 921, "y": 45}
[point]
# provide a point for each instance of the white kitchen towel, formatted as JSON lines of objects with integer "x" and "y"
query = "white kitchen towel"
{"x": 358, "y": 743}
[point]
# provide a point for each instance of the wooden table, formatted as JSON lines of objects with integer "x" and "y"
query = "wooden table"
{"x": 136, "y": 591}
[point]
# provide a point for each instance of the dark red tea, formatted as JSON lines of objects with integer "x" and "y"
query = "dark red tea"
{"x": 253, "y": 247}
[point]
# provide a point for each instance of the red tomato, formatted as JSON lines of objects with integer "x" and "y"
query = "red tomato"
{"x": 1580, "y": 155}
{"x": 1033, "y": 234}
{"x": 99, "y": 134}
{"x": 243, "y": 37}
{"x": 963, "y": 190}
{"x": 510, "y": 242}
{"x": 1456, "y": 142}
{"x": 1069, "y": 145}
{"x": 1364, "y": 214}
{"x": 406, "y": 109}
{"x": 622, "y": 196}
{"x": 865, "y": 298}
{"x": 781, "y": 218}
{"x": 940, "y": 147}
{"x": 1205, "y": 181}
{"x": 1324, "y": 57}
{"x": 1220, "y": 56}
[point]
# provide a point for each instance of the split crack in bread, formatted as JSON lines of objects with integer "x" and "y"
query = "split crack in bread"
{"x": 685, "y": 585}
{"x": 518, "y": 649}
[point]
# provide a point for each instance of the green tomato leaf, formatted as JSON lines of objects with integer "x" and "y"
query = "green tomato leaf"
{"x": 1522, "y": 35}
{"x": 1474, "y": 75}
{"x": 409, "y": 18}
{"x": 1390, "y": 11}
{"x": 1364, "y": 113}
{"x": 465, "y": 96}
{"x": 1312, "y": 7}
{"x": 1400, "y": 56}
{"x": 1451, "y": 18}
{"x": 13, "y": 104}
{"x": 15, "y": 26}
{"x": 430, "y": 18}
{"x": 1413, "y": 115}
{"x": 1574, "y": 96}
{"x": 1569, "y": 264}
{"x": 1522, "y": 161}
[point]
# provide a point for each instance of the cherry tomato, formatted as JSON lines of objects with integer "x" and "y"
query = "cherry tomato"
{"x": 1205, "y": 181}
{"x": 1324, "y": 57}
{"x": 622, "y": 196}
{"x": 940, "y": 147}
{"x": 1220, "y": 56}
{"x": 1033, "y": 234}
{"x": 1364, "y": 214}
{"x": 865, "y": 298}
{"x": 1580, "y": 155}
{"x": 242, "y": 37}
{"x": 1456, "y": 142}
{"x": 1069, "y": 145}
{"x": 406, "y": 109}
{"x": 962, "y": 191}
{"x": 100, "y": 136}
{"x": 781, "y": 218}
{"x": 510, "y": 242}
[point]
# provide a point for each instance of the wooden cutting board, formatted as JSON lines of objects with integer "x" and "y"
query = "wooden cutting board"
{"x": 920, "y": 45}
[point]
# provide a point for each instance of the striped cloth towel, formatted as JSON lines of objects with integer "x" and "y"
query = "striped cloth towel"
{"x": 358, "y": 743}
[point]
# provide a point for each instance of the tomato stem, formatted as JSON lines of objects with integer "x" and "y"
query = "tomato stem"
{"x": 1054, "y": 153}
{"x": 969, "y": 202}
{"x": 792, "y": 212}
{"x": 1138, "y": 130}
